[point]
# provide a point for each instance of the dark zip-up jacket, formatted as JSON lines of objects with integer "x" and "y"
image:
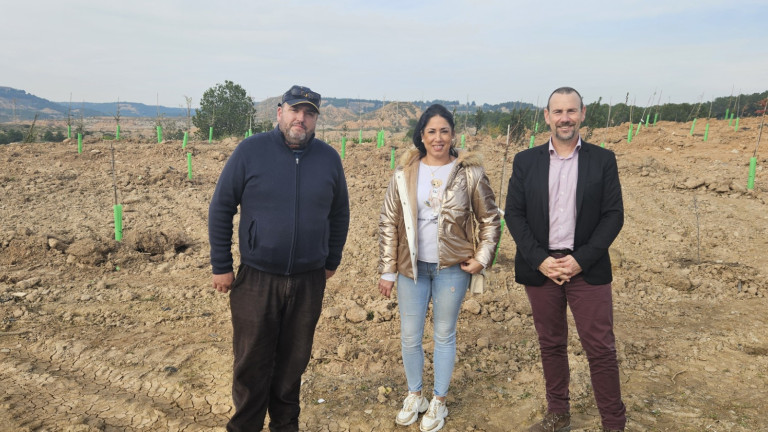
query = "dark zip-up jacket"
{"x": 294, "y": 210}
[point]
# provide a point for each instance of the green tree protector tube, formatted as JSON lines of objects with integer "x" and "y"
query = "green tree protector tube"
{"x": 186, "y": 138}
{"x": 692, "y": 127}
{"x": 530, "y": 144}
{"x": 706, "y": 131}
{"x": 629, "y": 134}
{"x": 655, "y": 119}
{"x": 117, "y": 134}
{"x": 118, "y": 210}
{"x": 752, "y": 168}
{"x": 737, "y": 124}
{"x": 79, "y": 143}
{"x": 159, "y": 134}
{"x": 343, "y": 147}
{"x": 392, "y": 158}
{"x": 189, "y": 166}
{"x": 210, "y": 134}
{"x": 463, "y": 140}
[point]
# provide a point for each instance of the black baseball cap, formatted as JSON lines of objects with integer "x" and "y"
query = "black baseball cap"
{"x": 299, "y": 95}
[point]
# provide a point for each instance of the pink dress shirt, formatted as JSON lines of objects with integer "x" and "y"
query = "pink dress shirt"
{"x": 563, "y": 176}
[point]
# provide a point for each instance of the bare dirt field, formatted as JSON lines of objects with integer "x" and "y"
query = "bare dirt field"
{"x": 99, "y": 335}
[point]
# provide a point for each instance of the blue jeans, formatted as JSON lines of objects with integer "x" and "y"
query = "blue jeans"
{"x": 446, "y": 288}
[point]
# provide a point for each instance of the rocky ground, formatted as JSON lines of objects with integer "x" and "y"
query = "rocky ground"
{"x": 99, "y": 335}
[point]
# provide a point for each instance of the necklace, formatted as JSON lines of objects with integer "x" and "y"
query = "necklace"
{"x": 435, "y": 196}
{"x": 435, "y": 182}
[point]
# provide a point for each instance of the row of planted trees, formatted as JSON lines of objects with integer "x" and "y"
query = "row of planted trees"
{"x": 601, "y": 114}
{"x": 225, "y": 111}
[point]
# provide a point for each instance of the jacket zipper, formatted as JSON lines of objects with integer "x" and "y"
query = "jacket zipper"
{"x": 295, "y": 220}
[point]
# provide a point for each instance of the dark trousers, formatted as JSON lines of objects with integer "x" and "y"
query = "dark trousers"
{"x": 273, "y": 323}
{"x": 592, "y": 309}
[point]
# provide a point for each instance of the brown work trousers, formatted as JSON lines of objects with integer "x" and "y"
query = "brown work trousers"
{"x": 273, "y": 322}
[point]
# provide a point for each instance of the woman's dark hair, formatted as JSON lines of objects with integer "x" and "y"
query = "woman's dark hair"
{"x": 433, "y": 110}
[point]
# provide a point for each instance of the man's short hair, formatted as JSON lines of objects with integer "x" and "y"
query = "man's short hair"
{"x": 566, "y": 90}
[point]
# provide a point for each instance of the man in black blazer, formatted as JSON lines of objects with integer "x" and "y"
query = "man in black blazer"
{"x": 564, "y": 209}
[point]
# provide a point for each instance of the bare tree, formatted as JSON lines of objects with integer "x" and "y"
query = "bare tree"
{"x": 695, "y": 111}
{"x": 698, "y": 230}
{"x": 81, "y": 120}
{"x": 188, "y": 100}
{"x": 69, "y": 117}
{"x": 117, "y": 118}
{"x": 158, "y": 119}
{"x": 30, "y": 137}
{"x": 647, "y": 107}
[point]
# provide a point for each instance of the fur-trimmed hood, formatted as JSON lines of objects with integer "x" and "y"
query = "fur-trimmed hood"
{"x": 466, "y": 158}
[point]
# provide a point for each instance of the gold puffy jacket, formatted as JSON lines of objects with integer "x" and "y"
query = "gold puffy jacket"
{"x": 454, "y": 230}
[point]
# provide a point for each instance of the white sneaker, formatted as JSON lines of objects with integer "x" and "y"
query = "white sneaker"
{"x": 434, "y": 419}
{"x": 413, "y": 405}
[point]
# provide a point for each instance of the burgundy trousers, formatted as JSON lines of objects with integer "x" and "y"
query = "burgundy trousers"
{"x": 592, "y": 309}
{"x": 273, "y": 323}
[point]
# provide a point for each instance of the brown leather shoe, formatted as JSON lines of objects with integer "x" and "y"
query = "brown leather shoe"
{"x": 553, "y": 423}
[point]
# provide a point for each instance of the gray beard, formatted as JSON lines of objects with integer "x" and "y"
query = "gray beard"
{"x": 296, "y": 141}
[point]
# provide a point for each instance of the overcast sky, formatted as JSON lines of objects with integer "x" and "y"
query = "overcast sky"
{"x": 484, "y": 50}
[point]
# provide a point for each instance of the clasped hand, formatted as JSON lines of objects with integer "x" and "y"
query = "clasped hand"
{"x": 560, "y": 270}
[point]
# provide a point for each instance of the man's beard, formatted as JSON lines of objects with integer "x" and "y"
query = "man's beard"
{"x": 566, "y": 137}
{"x": 296, "y": 140}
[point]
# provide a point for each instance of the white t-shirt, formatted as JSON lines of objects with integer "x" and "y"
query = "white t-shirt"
{"x": 432, "y": 180}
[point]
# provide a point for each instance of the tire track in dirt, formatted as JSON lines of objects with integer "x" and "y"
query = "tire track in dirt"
{"x": 92, "y": 387}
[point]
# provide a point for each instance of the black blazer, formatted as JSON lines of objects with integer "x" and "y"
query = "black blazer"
{"x": 599, "y": 212}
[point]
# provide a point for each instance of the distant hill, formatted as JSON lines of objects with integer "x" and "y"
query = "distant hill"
{"x": 129, "y": 109}
{"x": 364, "y": 106}
{"x": 19, "y": 105}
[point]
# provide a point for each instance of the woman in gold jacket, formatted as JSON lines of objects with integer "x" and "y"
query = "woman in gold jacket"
{"x": 436, "y": 201}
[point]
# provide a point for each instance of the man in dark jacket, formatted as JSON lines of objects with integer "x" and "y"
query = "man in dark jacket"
{"x": 564, "y": 209}
{"x": 294, "y": 218}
